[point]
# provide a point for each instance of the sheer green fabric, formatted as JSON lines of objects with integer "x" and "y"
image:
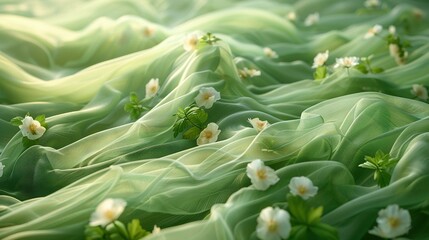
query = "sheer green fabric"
{"x": 78, "y": 61}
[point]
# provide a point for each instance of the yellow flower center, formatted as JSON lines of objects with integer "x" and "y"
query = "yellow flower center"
{"x": 260, "y": 124}
{"x": 207, "y": 96}
{"x": 272, "y": 226}
{"x": 153, "y": 88}
{"x": 33, "y": 128}
{"x": 109, "y": 214}
{"x": 302, "y": 190}
{"x": 261, "y": 173}
{"x": 394, "y": 222}
{"x": 208, "y": 134}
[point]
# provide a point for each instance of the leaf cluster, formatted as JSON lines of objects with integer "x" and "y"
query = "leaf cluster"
{"x": 116, "y": 231}
{"x": 190, "y": 120}
{"x": 207, "y": 39}
{"x": 365, "y": 67}
{"x": 381, "y": 163}
{"x": 306, "y": 221}
{"x": 135, "y": 106}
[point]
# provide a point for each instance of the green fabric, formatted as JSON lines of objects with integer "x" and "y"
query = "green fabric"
{"x": 78, "y": 61}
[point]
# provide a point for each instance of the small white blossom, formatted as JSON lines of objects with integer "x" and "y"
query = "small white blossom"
{"x": 392, "y": 29}
{"x": 207, "y": 97}
{"x": 191, "y": 41}
{"x": 320, "y": 59}
{"x": 372, "y": 3}
{"x": 1, "y": 168}
{"x": 156, "y": 230}
{"x": 292, "y": 16}
{"x": 373, "y": 31}
{"x": 273, "y": 224}
{"x": 346, "y": 62}
{"x": 245, "y": 72}
{"x": 152, "y": 87}
{"x": 107, "y": 211}
{"x": 395, "y": 53}
{"x": 312, "y": 19}
{"x": 303, "y": 187}
{"x": 258, "y": 124}
{"x": 31, "y": 128}
{"x": 260, "y": 175}
{"x": 392, "y": 222}
{"x": 270, "y": 53}
{"x": 209, "y": 134}
{"x": 420, "y": 91}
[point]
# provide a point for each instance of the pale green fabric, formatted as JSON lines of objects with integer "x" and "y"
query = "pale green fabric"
{"x": 77, "y": 62}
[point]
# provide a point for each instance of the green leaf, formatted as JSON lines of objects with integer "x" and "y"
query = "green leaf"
{"x": 41, "y": 119}
{"x": 94, "y": 233}
{"x": 28, "y": 143}
{"x": 192, "y": 133}
{"x": 299, "y": 232}
{"x": 362, "y": 68}
{"x": 377, "y": 70}
{"x": 297, "y": 208}
{"x": 135, "y": 231}
{"x": 368, "y": 165}
{"x": 324, "y": 231}
{"x": 314, "y": 215}
{"x": 320, "y": 73}
{"x": 383, "y": 179}
{"x": 16, "y": 121}
{"x": 117, "y": 230}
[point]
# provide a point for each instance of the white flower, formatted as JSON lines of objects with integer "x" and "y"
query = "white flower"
{"x": 372, "y": 3}
{"x": 346, "y": 62}
{"x": 373, "y": 31}
{"x": 107, "y": 211}
{"x": 245, "y": 72}
{"x": 303, "y": 187}
{"x": 395, "y": 53}
{"x": 312, "y": 19}
{"x": 209, "y": 134}
{"x": 420, "y": 91}
{"x": 392, "y": 29}
{"x": 260, "y": 175}
{"x": 292, "y": 16}
{"x": 258, "y": 124}
{"x": 1, "y": 169}
{"x": 392, "y": 222}
{"x": 320, "y": 59}
{"x": 273, "y": 224}
{"x": 156, "y": 230}
{"x": 190, "y": 42}
{"x": 152, "y": 87}
{"x": 31, "y": 128}
{"x": 206, "y": 97}
{"x": 270, "y": 53}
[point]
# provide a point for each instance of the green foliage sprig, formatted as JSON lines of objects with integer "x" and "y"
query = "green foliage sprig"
{"x": 135, "y": 106}
{"x": 381, "y": 163}
{"x": 209, "y": 38}
{"x": 191, "y": 120}
{"x": 365, "y": 66}
{"x": 306, "y": 221}
{"x": 116, "y": 231}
